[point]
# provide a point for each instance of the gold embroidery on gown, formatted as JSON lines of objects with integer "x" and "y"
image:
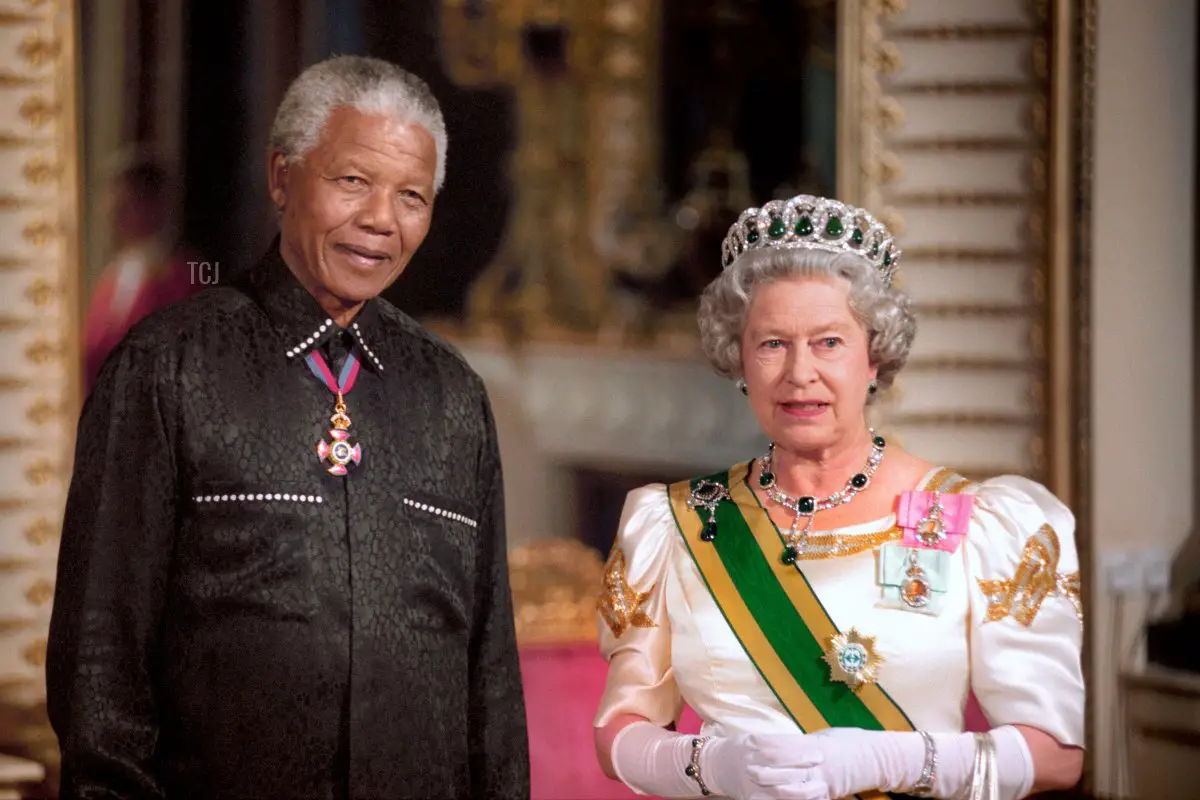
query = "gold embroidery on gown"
{"x": 620, "y": 604}
{"x": 1037, "y": 579}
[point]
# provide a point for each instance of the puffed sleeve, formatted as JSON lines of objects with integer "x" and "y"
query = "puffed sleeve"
{"x": 635, "y": 633}
{"x": 1026, "y": 619}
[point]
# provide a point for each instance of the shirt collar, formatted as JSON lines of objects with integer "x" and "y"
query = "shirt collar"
{"x": 298, "y": 316}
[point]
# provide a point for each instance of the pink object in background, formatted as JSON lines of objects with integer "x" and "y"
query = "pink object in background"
{"x": 563, "y": 686}
{"x": 956, "y": 517}
{"x": 117, "y": 305}
{"x": 975, "y": 720}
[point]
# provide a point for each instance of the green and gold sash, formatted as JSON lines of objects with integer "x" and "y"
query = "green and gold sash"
{"x": 774, "y": 611}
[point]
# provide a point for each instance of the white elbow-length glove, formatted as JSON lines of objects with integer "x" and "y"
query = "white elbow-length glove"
{"x": 852, "y": 760}
{"x": 651, "y": 760}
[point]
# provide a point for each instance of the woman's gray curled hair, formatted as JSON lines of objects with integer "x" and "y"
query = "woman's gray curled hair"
{"x": 368, "y": 85}
{"x": 884, "y": 312}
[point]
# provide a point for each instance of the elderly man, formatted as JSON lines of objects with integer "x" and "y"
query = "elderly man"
{"x": 283, "y": 568}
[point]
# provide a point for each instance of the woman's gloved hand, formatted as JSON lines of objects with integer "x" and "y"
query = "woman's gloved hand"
{"x": 652, "y": 760}
{"x": 743, "y": 767}
{"x": 852, "y": 760}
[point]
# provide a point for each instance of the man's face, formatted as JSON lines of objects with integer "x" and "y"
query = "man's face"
{"x": 356, "y": 208}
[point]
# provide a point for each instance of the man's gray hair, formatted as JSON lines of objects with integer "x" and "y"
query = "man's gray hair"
{"x": 368, "y": 85}
{"x": 884, "y": 312}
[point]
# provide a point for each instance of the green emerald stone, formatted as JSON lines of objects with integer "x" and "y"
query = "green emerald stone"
{"x": 804, "y": 227}
{"x": 857, "y": 237}
{"x": 879, "y": 441}
{"x": 710, "y": 530}
{"x": 887, "y": 258}
{"x": 767, "y": 479}
{"x": 752, "y": 235}
{"x": 875, "y": 250}
{"x": 806, "y": 504}
{"x": 789, "y": 555}
{"x": 858, "y": 481}
{"x": 776, "y": 229}
{"x": 834, "y": 228}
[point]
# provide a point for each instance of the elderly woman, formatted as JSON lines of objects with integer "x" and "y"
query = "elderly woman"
{"x": 828, "y": 607}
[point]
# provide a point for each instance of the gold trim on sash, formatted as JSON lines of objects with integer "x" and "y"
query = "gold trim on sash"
{"x": 806, "y": 602}
{"x": 793, "y": 698}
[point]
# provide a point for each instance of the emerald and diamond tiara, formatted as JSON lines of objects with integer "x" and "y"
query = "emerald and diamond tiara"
{"x": 814, "y": 223}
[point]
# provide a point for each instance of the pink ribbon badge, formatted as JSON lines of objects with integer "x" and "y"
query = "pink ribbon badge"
{"x": 934, "y": 521}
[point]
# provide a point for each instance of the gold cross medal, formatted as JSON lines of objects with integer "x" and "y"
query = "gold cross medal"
{"x": 342, "y": 453}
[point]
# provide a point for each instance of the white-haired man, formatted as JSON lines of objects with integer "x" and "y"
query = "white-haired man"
{"x": 283, "y": 568}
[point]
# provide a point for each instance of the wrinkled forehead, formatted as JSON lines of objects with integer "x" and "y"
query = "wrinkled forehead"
{"x": 801, "y": 302}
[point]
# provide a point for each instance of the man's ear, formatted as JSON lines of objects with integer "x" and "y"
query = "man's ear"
{"x": 277, "y": 179}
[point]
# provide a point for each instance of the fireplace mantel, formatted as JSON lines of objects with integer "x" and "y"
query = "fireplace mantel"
{"x": 563, "y": 407}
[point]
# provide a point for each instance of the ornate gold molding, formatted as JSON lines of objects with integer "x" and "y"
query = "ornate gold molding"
{"x": 9, "y": 202}
{"x": 9, "y": 141}
{"x": 13, "y": 18}
{"x": 39, "y": 50}
{"x": 947, "y": 199}
{"x": 11, "y": 264}
{"x": 961, "y": 33}
{"x": 976, "y": 255}
{"x": 947, "y": 419}
{"x": 44, "y": 411}
{"x": 964, "y": 144}
{"x": 35, "y": 652}
{"x": 41, "y": 532}
{"x": 12, "y": 80}
{"x": 38, "y": 145}
{"x": 9, "y": 505}
{"x": 972, "y": 88}
{"x": 555, "y": 585}
{"x": 15, "y": 323}
{"x": 39, "y": 171}
{"x": 44, "y": 351}
{"x": 38, "y": 111}
{"x": 980, "y": 310}
{"x": 957, "y": 364}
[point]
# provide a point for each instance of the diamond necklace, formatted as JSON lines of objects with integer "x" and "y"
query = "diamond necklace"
{"x": 808, "y": 506}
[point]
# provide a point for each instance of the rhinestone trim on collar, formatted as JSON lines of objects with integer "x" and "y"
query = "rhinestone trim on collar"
{"x": 441, "y": 512}
{"x": 367, "y": 350}
{"x": 311, "y": 340}
{"x": 246, "y": 497}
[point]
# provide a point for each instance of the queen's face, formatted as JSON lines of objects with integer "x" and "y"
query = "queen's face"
{"x": 805, "y": 362}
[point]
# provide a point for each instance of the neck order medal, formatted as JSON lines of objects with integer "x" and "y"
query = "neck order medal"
{"x": 342, "y": 453}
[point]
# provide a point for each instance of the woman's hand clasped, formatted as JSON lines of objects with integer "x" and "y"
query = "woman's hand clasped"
{"x": 764, "y": 767}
